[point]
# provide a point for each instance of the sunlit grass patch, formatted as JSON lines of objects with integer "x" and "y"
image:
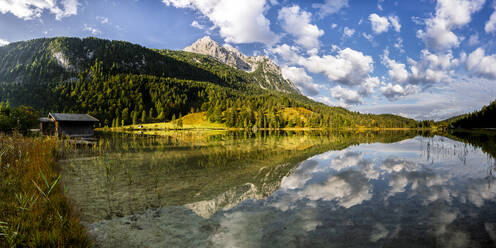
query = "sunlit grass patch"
{"x": 189, "y": 121}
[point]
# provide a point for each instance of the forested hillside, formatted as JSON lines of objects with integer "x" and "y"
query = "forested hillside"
{"x": 484, "y": 118}
{"x": 121, "y": 82}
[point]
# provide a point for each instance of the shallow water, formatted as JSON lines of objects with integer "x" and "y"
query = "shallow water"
{"x": 287, "y": 190}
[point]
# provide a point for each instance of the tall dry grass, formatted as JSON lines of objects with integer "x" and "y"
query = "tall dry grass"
{"x": 34, "y": 211}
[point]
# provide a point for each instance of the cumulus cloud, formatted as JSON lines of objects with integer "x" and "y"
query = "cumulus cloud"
{"x": 394, "y": 92}
{"x": 347, "y": 67}
{"x": 450, "y": 14}
{"x": 395, "y": 22}
{"x": 473, "y": 40}
{"x": 381, "y": 24}
{"x": 346, "y": 96}
{"x": 3, "y": 42}
{"x": 428, "y": 70}
{"x": 102, "y": 19}
{"x": 197, "y": 25}
{"x": 348, "y": 32}
{"x": 297, "y": 22}
{"x": 481, "y": 65}
{"x": 288, "y": 53}
{"x": 369, "y": 86}
{"x": 92, "y": 30}
{"x": 330, "y": 7}
{"x": 490, "y": 26}
{"x": 445, "y": 100}
{"x": 30, "y": 9}
{"x": 238, "y": 21}
{"x": 301, "y": 79}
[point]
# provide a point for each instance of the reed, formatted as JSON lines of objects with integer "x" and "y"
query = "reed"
{"x": 34, "y": 211}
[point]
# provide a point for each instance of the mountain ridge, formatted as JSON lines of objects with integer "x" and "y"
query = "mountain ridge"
{"x": 121, "y": 83}
{"x": 271, "y": 75}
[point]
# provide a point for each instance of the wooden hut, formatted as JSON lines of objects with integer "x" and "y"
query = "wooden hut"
{"x": 72, "y": 125}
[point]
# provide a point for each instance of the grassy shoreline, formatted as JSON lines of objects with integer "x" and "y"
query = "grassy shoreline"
{"x": 34, "y": 211}
{"x": 198, "y": 121}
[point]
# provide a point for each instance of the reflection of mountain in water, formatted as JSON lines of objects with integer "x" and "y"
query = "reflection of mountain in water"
{"x": 413, "y": 193}
{"x": 205, "y": 178}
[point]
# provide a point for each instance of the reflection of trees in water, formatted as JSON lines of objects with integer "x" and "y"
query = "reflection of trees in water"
{"x": 486, "y": 141}
{"x": 131, "y": 172}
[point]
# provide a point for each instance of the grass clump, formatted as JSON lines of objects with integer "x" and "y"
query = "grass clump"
{"x": 34, "y": 211}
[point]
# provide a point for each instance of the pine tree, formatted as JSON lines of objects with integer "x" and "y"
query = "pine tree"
{"x": 135, "y": 117}
{"x": 143, "y": 117}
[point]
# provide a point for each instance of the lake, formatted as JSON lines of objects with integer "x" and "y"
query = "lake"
{"x": 286, "y": 189}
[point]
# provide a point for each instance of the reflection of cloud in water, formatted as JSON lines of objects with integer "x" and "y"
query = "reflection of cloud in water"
{"x": 346, "y": 159}
{"x": 300, "y": 176}
{"x": 348, "y": 188}
{"x": 379, "y": 232}
{"x": 447, "y": 237}
{"x": 479, "y": 191}
{"x": 392, "y": 164}
{"x": 240, "y": 229}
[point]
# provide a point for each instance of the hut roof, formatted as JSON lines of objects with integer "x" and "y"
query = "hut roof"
{"x": 45, "y": 119}
{"x": 73, "y": 117}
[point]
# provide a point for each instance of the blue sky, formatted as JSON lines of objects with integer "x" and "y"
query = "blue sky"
{"x": 425, "y": 59}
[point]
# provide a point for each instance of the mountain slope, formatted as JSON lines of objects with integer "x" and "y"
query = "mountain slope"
{"x": 123, "y": 83}
{"x": 267, "y": 74}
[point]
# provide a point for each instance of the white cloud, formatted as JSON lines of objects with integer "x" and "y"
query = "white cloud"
{"x": 238, "y": 21}
{"x": 428, "y": 70}
{"x": 379, "y": 24}
{"x": 399, "y": 45}
{"x": 346, "y": 96}
{"x": 297, "y": 22}
{"x": 450, "y": 14}
{"x": 102, "y": 19}
{"x": 491, "y": 23}
{"x": 348, "y": 67}
{"x": 30, "y": 9}
{"x": 288, "y": 53}
{"x": 395, "y": 22}
{"x": 334, "y": 25}
{"x": 302, "y": 80}
{"x": 473, "y": 40}
{"x": 348, "y": 32}
{"x": 197, "y": 25}
{"x": 379, "y": 5}
{"x": 481, "y": 65}
{"x": 3, "y": 42}
{"x": 443, "y": 101}
{"x": 92, "y": 30}
{"x": 394, "y": 92}
{"x": 369, "y": 86}
{"x": 330, "y": 7}
{"x": 369, "y": 37}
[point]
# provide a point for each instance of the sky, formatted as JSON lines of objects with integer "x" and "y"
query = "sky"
{"x": 423, "y": 59}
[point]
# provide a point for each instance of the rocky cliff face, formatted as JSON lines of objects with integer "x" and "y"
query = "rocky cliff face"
{"x": 225, "y": 54}
{"x": 267, "y": 73}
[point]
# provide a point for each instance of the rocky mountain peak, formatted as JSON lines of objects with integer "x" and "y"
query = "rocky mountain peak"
{"x": 270, "y": 76}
